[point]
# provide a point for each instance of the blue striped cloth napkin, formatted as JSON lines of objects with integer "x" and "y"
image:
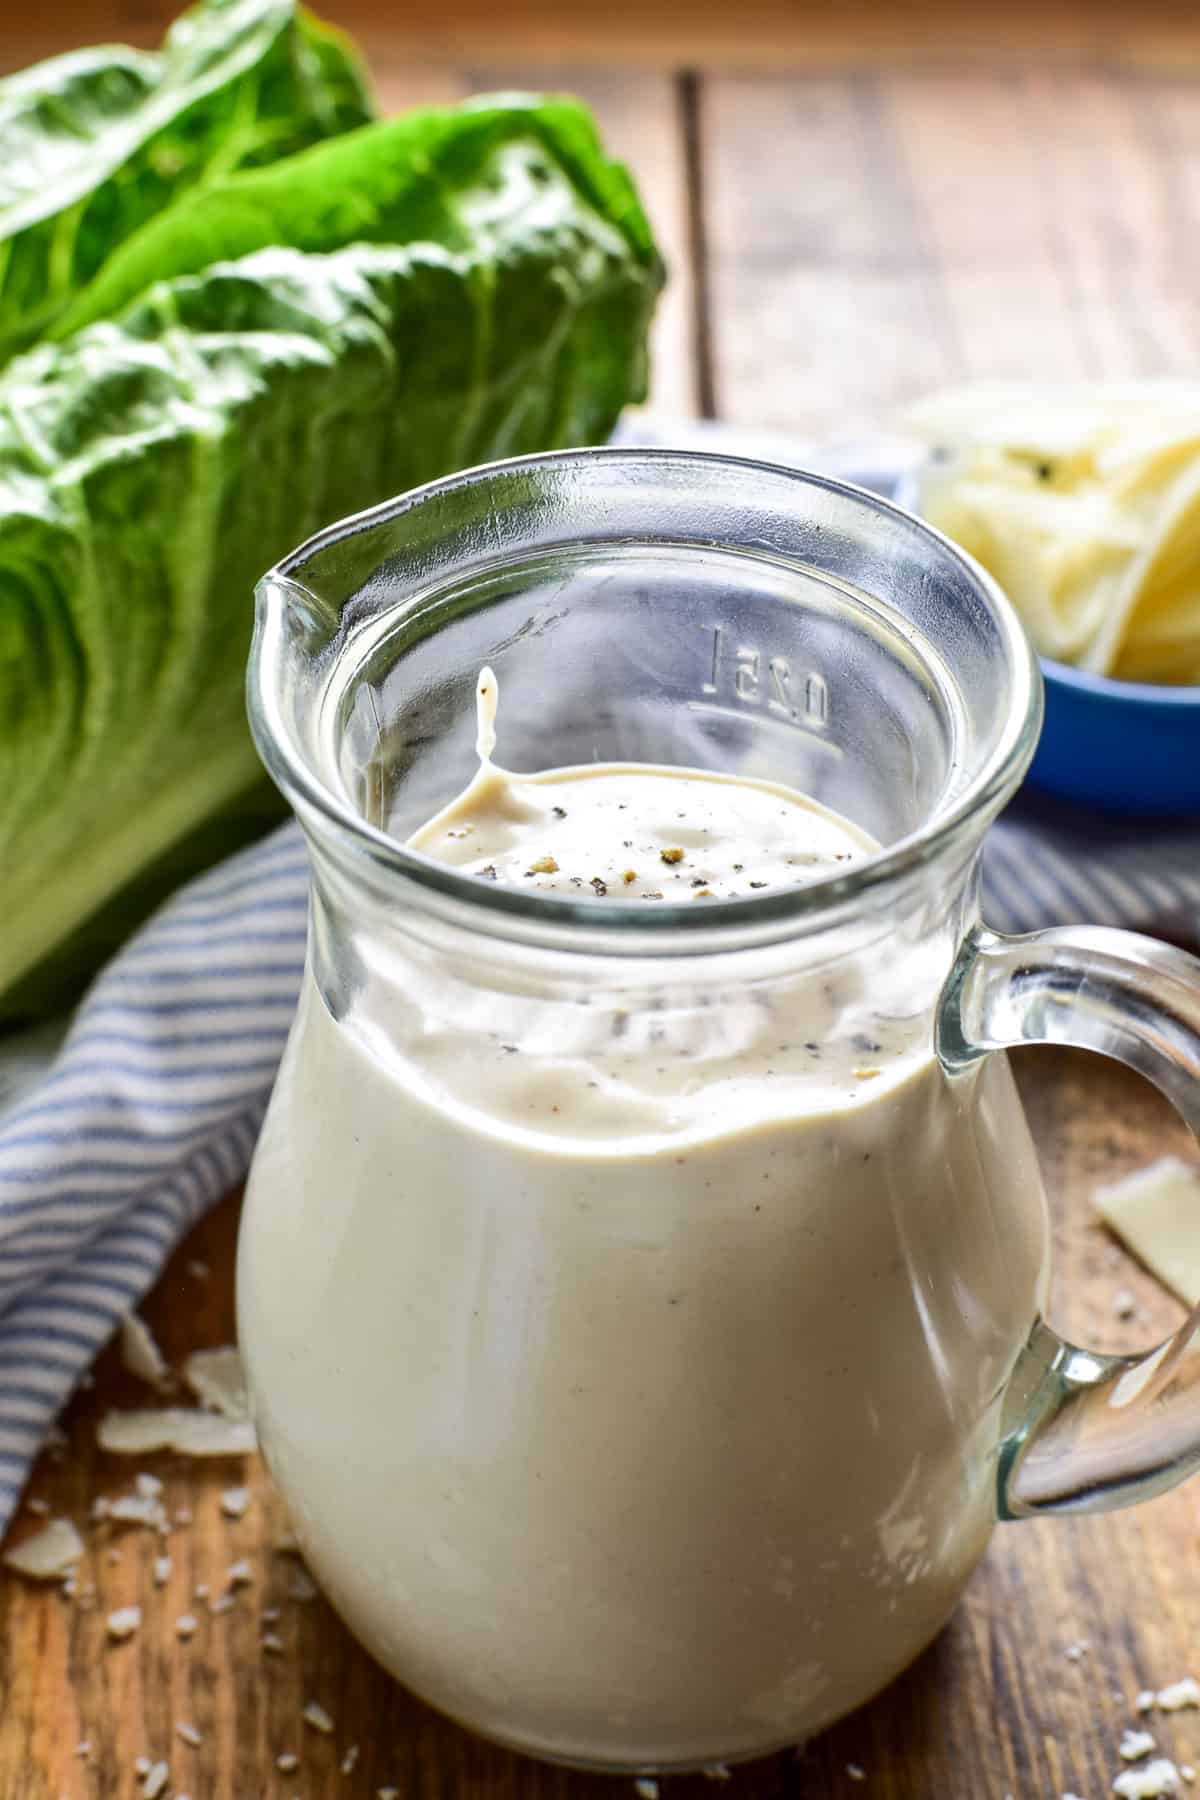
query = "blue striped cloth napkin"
{"x": 148, "y": 1111}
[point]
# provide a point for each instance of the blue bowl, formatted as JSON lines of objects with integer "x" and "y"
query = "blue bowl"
{"x": 1125, "y": 746}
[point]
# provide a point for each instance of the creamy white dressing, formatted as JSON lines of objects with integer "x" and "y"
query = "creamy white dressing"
{"x": 634, "y": 831}
{"x": 628, "y": 1344}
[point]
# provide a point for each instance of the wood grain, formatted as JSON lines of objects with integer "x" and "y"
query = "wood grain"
{"x": 995, "y": 1707}
{"x": 933, "y": 227}
{"x": 758, "y": 35}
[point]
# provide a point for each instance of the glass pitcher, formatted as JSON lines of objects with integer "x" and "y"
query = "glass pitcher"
{"x": 652, "y": 1448}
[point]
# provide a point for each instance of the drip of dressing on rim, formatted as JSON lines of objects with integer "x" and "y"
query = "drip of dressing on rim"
{"x": 633, "y": 831}
{"x": 487, "y": 696}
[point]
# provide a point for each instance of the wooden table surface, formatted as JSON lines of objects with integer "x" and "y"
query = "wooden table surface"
{"x": 858, "y": 203}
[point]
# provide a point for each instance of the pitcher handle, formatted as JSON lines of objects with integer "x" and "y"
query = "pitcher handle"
{"x": 1084, "y": 1432}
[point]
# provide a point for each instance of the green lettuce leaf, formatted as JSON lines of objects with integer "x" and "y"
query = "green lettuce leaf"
{"x": 96, "y": 142}
{"x": 153, "y": 466}
{"x": 499, "y": 166}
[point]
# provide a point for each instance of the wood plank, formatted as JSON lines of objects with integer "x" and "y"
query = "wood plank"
{"x": 922, "y": 228}
{"x": 995, "y": 1707}
{"x": 763, "y": 35}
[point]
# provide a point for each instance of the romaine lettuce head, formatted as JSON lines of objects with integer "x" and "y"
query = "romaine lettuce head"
{"x": 153, "y": 466}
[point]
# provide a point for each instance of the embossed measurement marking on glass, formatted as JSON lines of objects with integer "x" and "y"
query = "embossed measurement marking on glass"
{"x": 747, "y": 673}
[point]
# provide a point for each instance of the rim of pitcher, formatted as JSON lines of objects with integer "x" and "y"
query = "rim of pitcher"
{"x": 558, "y": 917}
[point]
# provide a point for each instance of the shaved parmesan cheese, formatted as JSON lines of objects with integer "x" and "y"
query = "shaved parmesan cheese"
{"x": 123, "y": 1623}
{"x": 1135, "y": 1744}
{"x": 217, "y": 1379}
{"x": 316, "y": 1716}
{"x": 135, "y": 1509}
{"x": 1179, "y": 1694}
{"x": 175, "y": 1428}
{"x": 1156, "y": 1779}
{"x": 1156, "y": 1213}
{"x": 48, "y": 1554}
{"x": 156, "y": 1780}
{"x": 234, "y": 1502}
{"x": 1083, "y": 500}
{"x": 141, "y": 1355}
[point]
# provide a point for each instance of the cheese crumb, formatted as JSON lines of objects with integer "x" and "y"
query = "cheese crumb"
{"x": 1145, "y": 1701}
{"x": 141, "y": 1355}
{"x": 301, "y": 1585}
{"x": 141, "y": 1765}
{"x": 156, "y": 1780}
{"x": 273, "y": 1643}
{"x": 646, "y": 1788}
{"x": 83, "y": 1747}
{"x": 1124, "y": 1303}
{"x": 1150, "y": 1783}
{"x": 190, "y": 1432}
{"x": 387, "y": 1794}
{"x": 48, "y": 1553}
{"x": 239, "y": 1574}
{"x": 189, "y": 1734}
{"x": 185, "y": 1625}
{"x": 286, "y": 1761}
{"x": 1134, "y": 1744}
{"x": 123, "y": 1623}
{"x": 1077, "y": 1652}
{"x": 855, "y": 1772}
{"x": 349, "y": 1760}
{"x": 218, "y": 1380}
{"x": 1179, "y": 1694}
{"x": 1156, "y": 1213}
{"x": 316, "y": 1716}
{"x": 132, "y": 1509}
{"x": 234, "y": 1502}
{"x": 717, "y": 1772}
{"x": 162, "y": 1570}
